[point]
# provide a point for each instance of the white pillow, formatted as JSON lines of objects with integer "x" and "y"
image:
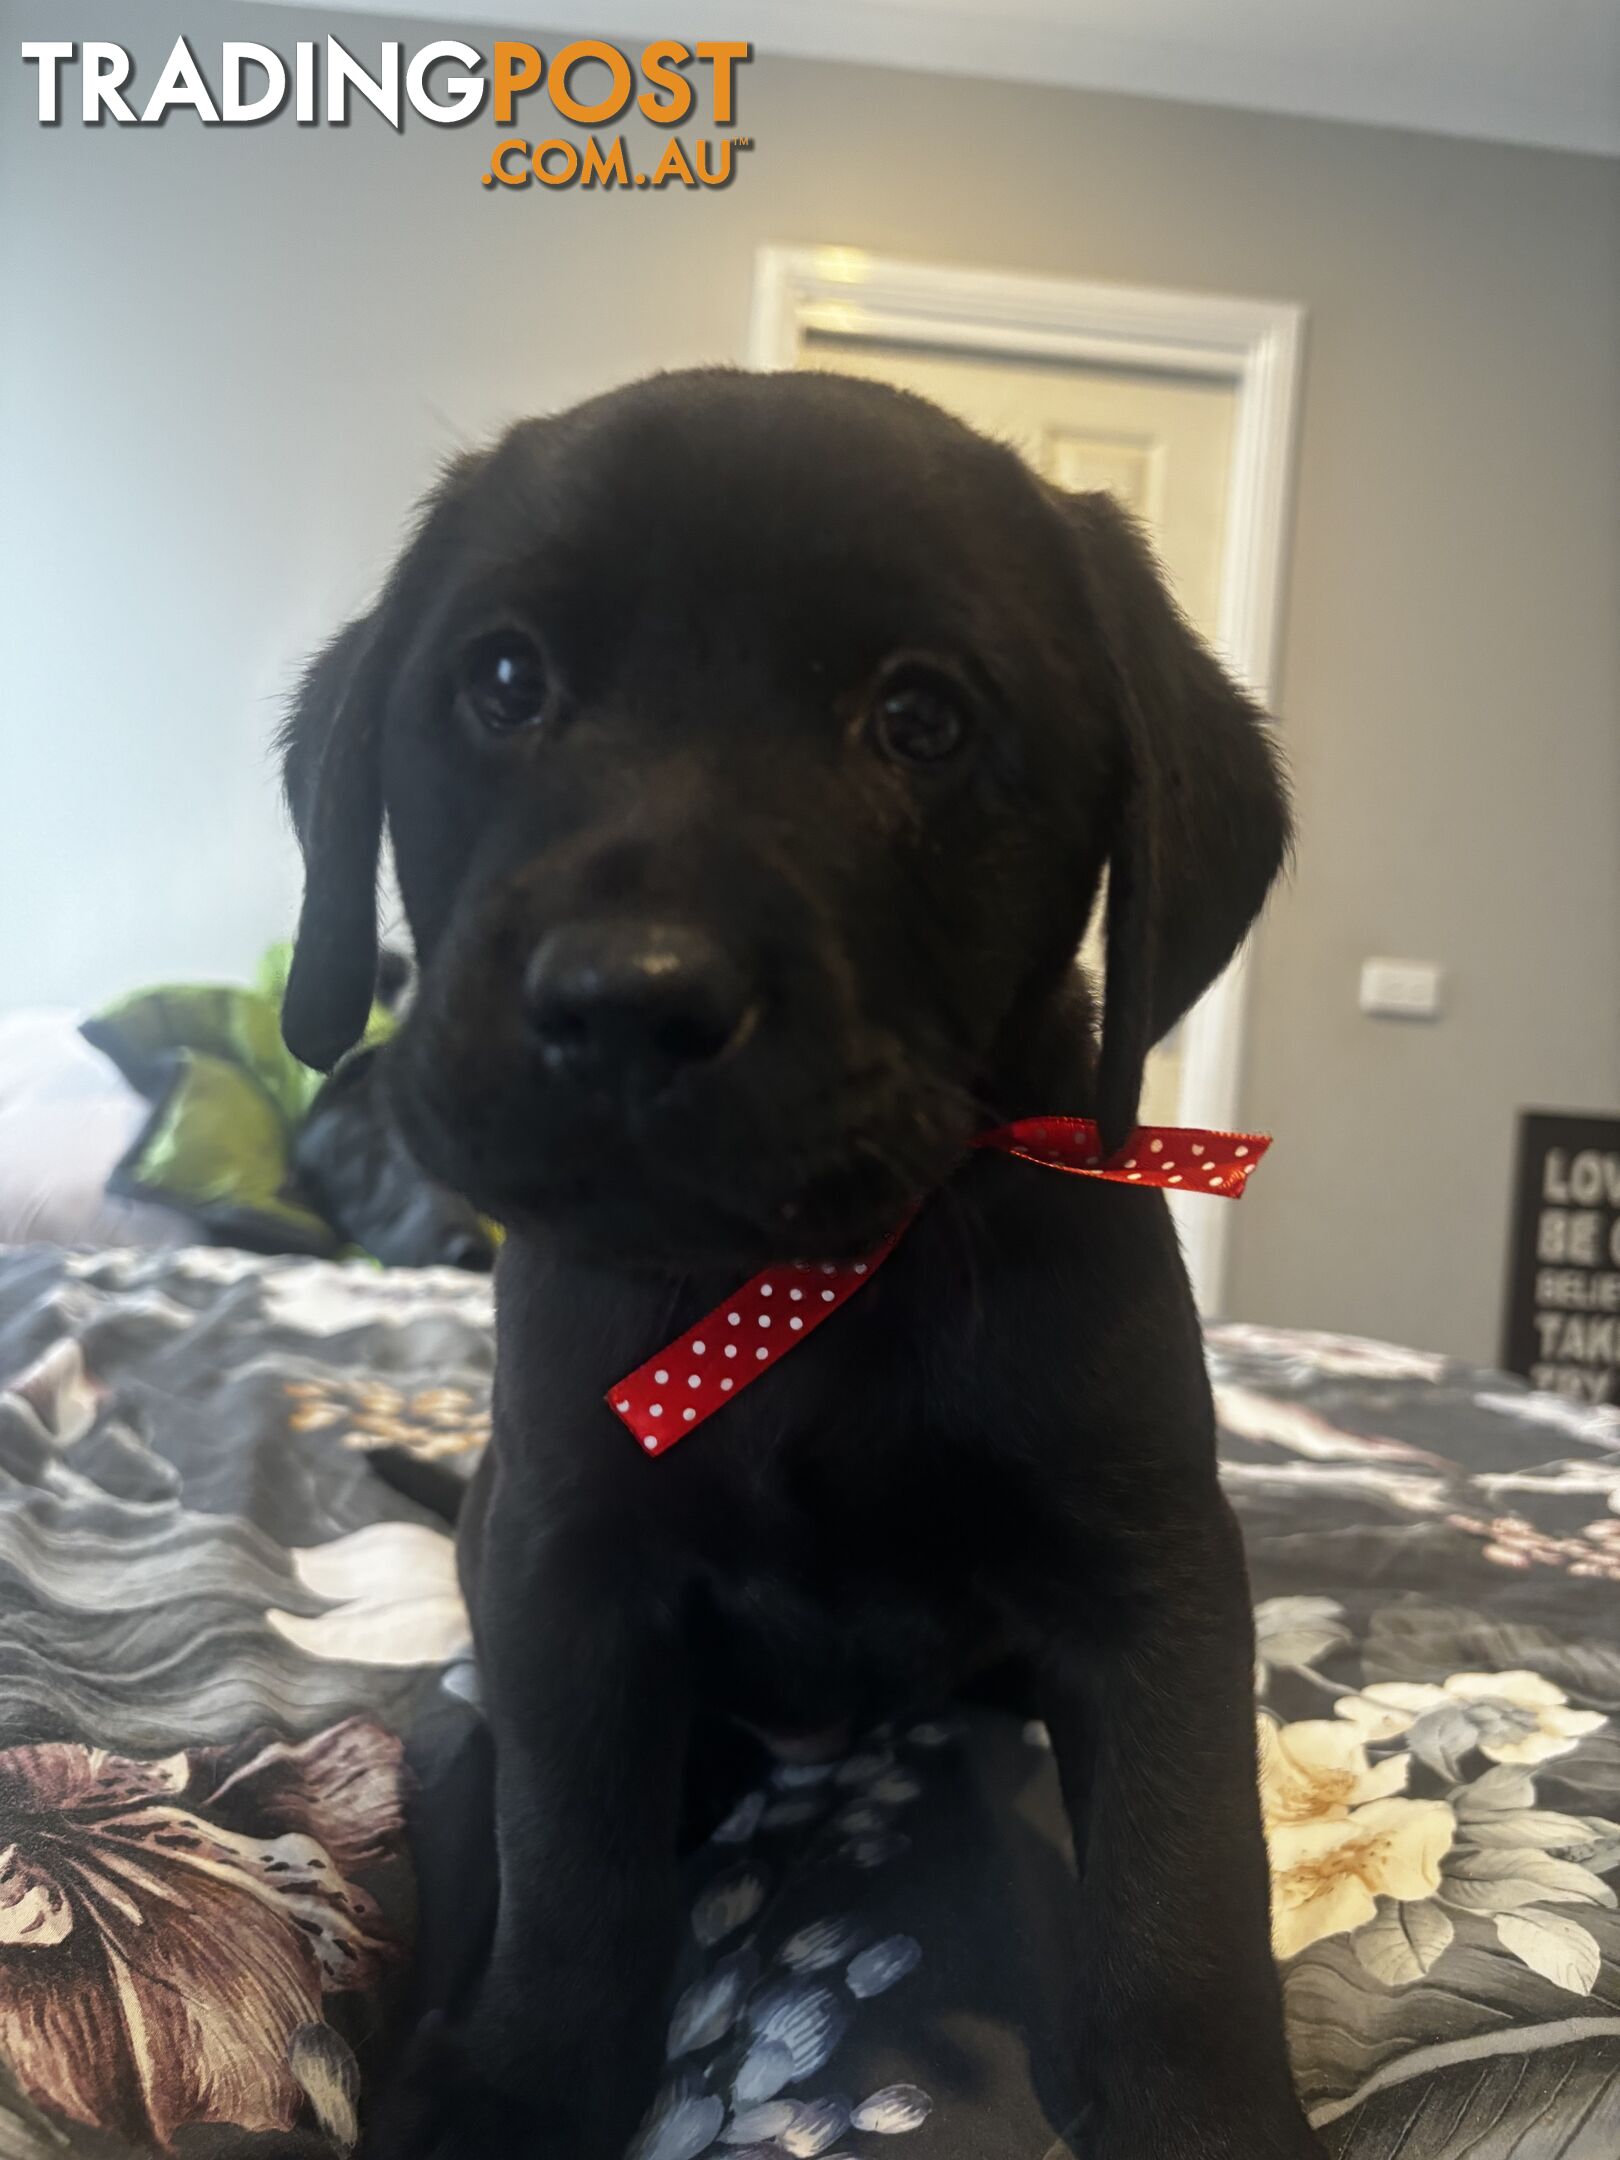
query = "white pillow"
{"x": 66, "y": 1118}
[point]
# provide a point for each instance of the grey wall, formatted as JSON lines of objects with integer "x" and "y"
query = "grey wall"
{"x": 231, "y": 357}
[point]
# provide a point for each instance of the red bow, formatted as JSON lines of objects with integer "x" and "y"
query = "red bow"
{"x": 699, "y": 1373}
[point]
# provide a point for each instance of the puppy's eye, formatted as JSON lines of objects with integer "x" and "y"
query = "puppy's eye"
{"x": 919, "y": 720}
{"x": 503, "y": 679}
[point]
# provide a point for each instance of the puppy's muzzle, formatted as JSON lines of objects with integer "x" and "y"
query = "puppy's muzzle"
{"x": 626, "y": 1008}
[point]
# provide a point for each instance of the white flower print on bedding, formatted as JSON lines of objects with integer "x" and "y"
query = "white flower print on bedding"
{"x": 792, "y": 1813}
{"x": 728, "y": 1903}
{"x": 790, "y": 2126}
{"x": 1514, "y": 1861}
{"x": 1354, "y": 1853}
{"x": 1316, "y": 1770}
{"x": 1302, "y": 1355}
{"x": 763, "y": 2073}
{"x": 741, "y": 1824}
{"x": 1338, "y": 1836}
{"x": 394, "y": 1595}
{"x": 801, "y": 2016}
{"x": 1273, "y": 1421}
{"x": 1327, "y": 1876}
{"x": 758, "y": 2030}
{"x": 822, "y": 1943}
{"x": 710, "y": 2007}
{"x": 682, "y": 2122}
{"x": 896, "y": 2108}
{"x": 58, "y": 1394}
{"x": 1295, "y": 1634}
{"x": 1597, "y": 1423}
{"x": 1510, "y": 1717}
{"x": 875, "y": 1971}
{"x": 325, "y": 1298}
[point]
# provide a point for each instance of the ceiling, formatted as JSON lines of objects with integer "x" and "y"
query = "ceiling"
{"x": 1527, "y": 71}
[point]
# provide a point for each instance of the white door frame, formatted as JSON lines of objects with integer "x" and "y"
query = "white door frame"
{"x": 1256, "y": 347}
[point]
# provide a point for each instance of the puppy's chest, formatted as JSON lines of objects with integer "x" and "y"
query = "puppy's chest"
{"x": 791, "y": 1655}
{"x": 841, "y": 1602}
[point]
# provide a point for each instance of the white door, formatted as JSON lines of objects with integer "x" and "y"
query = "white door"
{"x": 1161, "y": 442}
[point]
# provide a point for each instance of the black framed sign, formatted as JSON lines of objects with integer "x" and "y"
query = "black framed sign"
{"x": 1562, "y": 1325}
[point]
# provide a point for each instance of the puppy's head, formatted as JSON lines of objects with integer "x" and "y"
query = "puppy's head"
{"x": 752, "y": 748}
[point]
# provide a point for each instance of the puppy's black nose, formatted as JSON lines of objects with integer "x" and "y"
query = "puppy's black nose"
{"x": 631, "y": 1004}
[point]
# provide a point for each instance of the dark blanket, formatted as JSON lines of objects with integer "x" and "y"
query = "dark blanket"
{"x": 216, "y": 1624}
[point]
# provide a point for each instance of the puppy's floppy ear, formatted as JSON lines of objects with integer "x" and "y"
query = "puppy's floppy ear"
{"x": 331, "y": 748}
{"x": 1199, "y": 823}
{"x": 331, "y": 769}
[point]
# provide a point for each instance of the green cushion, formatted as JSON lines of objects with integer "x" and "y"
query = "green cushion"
{"x": 227, "y": 1096}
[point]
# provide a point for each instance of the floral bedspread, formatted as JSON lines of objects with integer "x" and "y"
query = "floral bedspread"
{"x": 216, "y": 1624}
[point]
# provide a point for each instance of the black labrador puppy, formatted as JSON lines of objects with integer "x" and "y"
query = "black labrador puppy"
{"x": 752, "y": 749}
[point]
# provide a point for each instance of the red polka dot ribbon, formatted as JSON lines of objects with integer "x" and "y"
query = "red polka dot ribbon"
{"x": 700, "y": 1372}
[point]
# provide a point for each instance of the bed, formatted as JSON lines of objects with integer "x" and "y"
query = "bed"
{"x": 216, "y": 1624}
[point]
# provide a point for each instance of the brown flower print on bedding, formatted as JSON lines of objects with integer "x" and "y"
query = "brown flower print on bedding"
{"x": 168, "y": 1927}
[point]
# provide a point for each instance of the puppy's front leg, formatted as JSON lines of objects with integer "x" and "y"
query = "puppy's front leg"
{"x": 558, "y": 2054}
{"x": 1148, "y": 1696}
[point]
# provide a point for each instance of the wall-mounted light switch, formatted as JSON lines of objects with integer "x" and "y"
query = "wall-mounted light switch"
{"x": 1401, "y": 989}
